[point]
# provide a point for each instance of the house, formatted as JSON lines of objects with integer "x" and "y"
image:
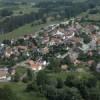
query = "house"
{"x": 12, "y": 71}
{"x": 85, "y": 47}
{"x": 36, "y": 65}
{"x": 73, "y": 55}
{"x": 65, "y": 23}
{"x": 59, "y": 33}
{"x": 98, "y": 67}
{"x": 45, "y": 50}
{"x": 4, "y": 75}
{"x": 8, "y": 52}
{"x": 93, "y": 44}
{"x": 90, "y": 62}
{"x": 77, "y": 62}
{"x": 22, "y": 48}
{"x": 1, "y": 51}
{"x": 96, "y": 27}
{"x": 52, "y": 42}
{"x": 64, "y": 67}
{"x": 90, "y": 53}
{"x": 78, "y": 26}
{"x": 2, "y": 45}
{"x": 45, "y": 40}
{"x": 98, "y": 45}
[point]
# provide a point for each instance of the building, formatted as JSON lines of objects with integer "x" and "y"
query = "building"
{"x": 36, "y": 65}
{"x": 98, "y": 67}
{"x": 64, "y": 67}
{"x": 4, "y": 75}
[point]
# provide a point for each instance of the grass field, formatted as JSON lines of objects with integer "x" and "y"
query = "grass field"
{"x": 26, "y": 29}
{"x": 19, "y": 9}
{"x": 25, "y": 9}
{"x": 94, "y": 17}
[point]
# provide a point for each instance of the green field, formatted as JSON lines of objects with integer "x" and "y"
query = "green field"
{"x": 26, "y": 29}
{"x": 25, "y": 9}
{"x": 94, "y": 17}
{"x": 20, "y": 8}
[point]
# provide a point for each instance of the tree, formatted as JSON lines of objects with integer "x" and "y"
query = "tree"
{"x": 71, "y": 94}
{"x": 5, "y": 12}
{"x": 65, "y": 93}
{"x": 94, "y": 11}
{"x": 42, "y": 78}
{"x": 16, "y": 77}
{"x": 54, "y": 65}
{"x": 29, "y": 74}
{"x": 60, "y": 83}
{"x": 32, "y": 87}
{"x": 94, "y": 93}
{"x": 51, "y": 92}
{"x": 44, "y": 20}
{"x": 67, "y": 60}
{"x": 8, "y": 42}
{"x": 86, "y": 38}
{"x": 70, "y": 79}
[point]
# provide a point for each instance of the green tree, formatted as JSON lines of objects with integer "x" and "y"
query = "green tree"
{"x": 32, "y": 87}
{"x": 60, "y": 83}
{"x": 54, "y": 65}
{"x": 16, "y": 77}
{"x": 30, "y": 74}
{"x": 51, "y": 92}
{"x": 5, "y": 12}
{"x": 71, "y": 94}
{"x": 42, "y": 78}
{"x": 70, "y": 79}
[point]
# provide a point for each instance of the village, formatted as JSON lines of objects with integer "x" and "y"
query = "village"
{"x": 75, "y": 44}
